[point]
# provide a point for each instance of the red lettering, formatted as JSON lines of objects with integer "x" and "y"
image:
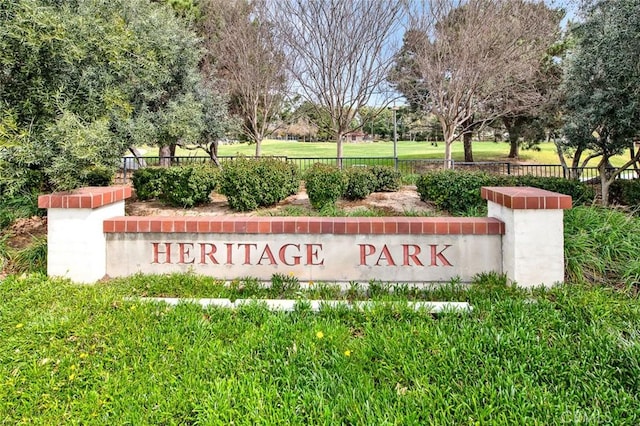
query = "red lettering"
{"x": 157, "y": 252}
{"x": 437, "y": 255}
{"x": 313, "y": 254}
{"x": 229, "y": 253}
{"x": 247, "y": 251}
{"x": 185, "y": 252}
{"x": 282, "y": 255}
{"x": 386, "y": 255}
{"x": 204, "y": 253}
{"x": 408, "y": 256}
{"x": 266, "y": 254}
{"x": 366, "y": 250}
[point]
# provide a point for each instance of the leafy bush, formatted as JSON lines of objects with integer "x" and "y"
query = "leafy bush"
{"x": 580, "y": 192}
{"x": 325, "y": 184}
{"x": 250, "y": 183}
{"x": 360, "y": 183}
{"x": 457, "y": 191}
{"x": 625, "y": 192}
{"x": 386, "y": 178}
{"x": 148, "y": 182}
{"x": 188, "y": 186}
{"x": 98, "y": 176}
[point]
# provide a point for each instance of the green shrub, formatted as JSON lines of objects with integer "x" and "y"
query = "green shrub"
{"x": 148, "y": 182}
{"x": 98, "y": 176}
{"x": 249, "y": 183}
{"x": 360, "y": 183}
{"x": 325, "y": 184}
{"x": 188, "y": 186}
{"x": 625, "y": 192}
{"x": 386, "y": 178}
{"x": 457, "y": 192}
{"x": 580, "y": 192}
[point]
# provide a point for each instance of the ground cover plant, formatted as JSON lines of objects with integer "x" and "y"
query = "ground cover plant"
{"x": 85, "y": 354}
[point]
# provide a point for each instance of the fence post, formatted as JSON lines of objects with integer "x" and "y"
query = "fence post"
{"x": 508, "y": 168}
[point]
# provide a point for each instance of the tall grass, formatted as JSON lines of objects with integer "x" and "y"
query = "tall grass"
{"x": 602, "y": 246}
{"x": 32, "y": 258}
{"x": 15, "y": 207}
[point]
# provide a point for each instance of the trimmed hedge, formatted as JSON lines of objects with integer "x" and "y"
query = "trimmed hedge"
{"x": 184, "y": 186}
{"x": 148, "y": 182}
{"x": 580, "y": 192}
{"x": 458, "y": 192}
{"x": 386, "y": 179}
{"x": 360, "y": 183}
{"x": 625, "y": 192}
{"x": 98, "y": 176}
{"x": 325, "y": 184}
{"x": 188, "y": 186}
{"x": 249, "y": 183}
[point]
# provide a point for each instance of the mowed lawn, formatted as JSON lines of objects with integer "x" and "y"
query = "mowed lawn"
{"x": 483, "y": 151}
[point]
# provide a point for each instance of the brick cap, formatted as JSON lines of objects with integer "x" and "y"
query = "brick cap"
{"x": 306, "y": 225}
{"x": 90, "y": 197}
{"x": 526, "y": 198}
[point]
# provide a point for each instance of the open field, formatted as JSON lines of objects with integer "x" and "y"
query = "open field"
{"x": 483, "y": 151}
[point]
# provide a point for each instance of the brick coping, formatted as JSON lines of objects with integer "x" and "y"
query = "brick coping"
{"x": 306, "y": 225}
{"x": 526, "y": 198}
{"x": 90, "y": 197}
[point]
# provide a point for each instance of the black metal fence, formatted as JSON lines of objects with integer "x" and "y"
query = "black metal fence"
{"x": 405, "y": 166}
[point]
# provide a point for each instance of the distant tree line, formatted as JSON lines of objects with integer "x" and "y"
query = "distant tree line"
{"x": 83, "y": 81}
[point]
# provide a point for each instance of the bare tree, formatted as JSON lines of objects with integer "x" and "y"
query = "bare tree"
{"x": 340, "y": 54}
{"x": 249, "y": 60}
{"x": 461, "y": 59}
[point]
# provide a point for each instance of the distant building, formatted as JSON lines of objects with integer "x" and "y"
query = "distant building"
{"x": 357, "y": 136}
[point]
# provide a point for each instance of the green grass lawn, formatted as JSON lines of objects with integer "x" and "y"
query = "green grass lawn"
{"x": 483, "y": 151}
{"x": 85, "y": 355}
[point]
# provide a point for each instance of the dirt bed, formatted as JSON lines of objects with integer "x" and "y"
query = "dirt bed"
{"x": 406, "y": 200}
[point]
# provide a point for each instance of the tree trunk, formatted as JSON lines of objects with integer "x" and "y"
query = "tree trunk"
{"x": 514, "y": 151}
{"x": 514, "y": 134}
{"x": 213, "y": 152}
{"x": 164, "y": 152}
{"x": 339, "y": 149}
{"x": 258, "y": 147}
{"x": 605, "y": 182}
{"x": 448, "y": 134}
{"x": 468, "y": 150}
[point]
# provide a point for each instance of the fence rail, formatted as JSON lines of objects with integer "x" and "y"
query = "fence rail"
{"x": 404, "y": 166}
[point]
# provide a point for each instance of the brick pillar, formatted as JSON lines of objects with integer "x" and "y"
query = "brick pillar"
{"x": 533, "y": 243}
{"x": 75, "y": 239}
